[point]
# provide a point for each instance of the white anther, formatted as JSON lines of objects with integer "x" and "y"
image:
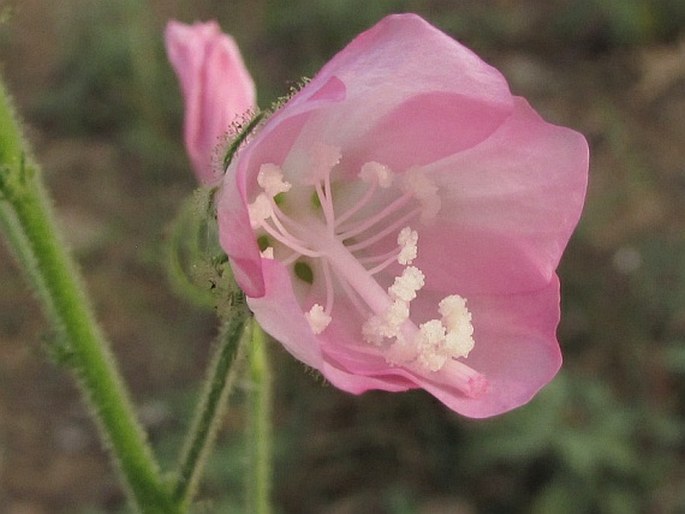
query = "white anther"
{"x": 372, "y": 331}
{"x": 322, "y": 159}
{"x": 317, "y": 318}
{"x": 430, "y": 341}
{"x": 457, "y": 318}
{"x": 417, "y": 183}
{"x": 436, "y": 341}
{"x": 401, "y": 352}
{"x": 386, "y": 325}
{"x": 432, "y": 361}
{"x": 425, "y": 191}
{"x": 455, "y": 315}
{"x": 458, "y": 344}
{"x": 397, "y": 314}
{"x": 432, "y": 333}
{"x": 407, "y": 239}
{"x": 259, "y": 210}
{"x": 406, "y": 285}
{"x": 270, "y": 178}
{"x": 376, "y": 172}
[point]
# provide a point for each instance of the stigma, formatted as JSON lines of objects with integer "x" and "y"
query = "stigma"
{"x": 343, "y": 236}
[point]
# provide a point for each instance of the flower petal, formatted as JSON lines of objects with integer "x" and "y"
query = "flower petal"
{"x": 419, "y": 58}
{"x": 413, "y": 95}
{"x": 509, "y": 206}
{"x": 279, "y": 314}
{"x": 516, "y": 350}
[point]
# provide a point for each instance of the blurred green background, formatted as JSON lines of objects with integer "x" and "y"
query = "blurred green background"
{"x": 103, "y": 112}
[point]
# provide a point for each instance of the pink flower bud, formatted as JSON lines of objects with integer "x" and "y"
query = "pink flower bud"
{"x": 217, "y": 89}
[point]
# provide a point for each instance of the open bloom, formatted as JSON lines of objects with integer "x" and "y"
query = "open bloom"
{"x": 398, "y": 223}
{"x": 217, "y": 89}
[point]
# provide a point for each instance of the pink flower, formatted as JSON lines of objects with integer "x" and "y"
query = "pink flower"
{"x": 398, "y": 223}
{"x": 217, "y": 89}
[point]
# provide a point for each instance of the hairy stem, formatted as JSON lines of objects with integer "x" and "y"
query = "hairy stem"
{"x": 27, "y": 217}
{"x": 259, "y": 429}
{"x": 219, "y": 382}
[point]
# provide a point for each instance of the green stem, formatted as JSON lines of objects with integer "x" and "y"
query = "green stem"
{"x": 24, "y": 254}
{"x": 259, "y": 430}
{"x": 211, "y": 408}
{"x": 37, "y": 244}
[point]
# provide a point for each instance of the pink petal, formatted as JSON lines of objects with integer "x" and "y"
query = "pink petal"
{"x": 444, "y": 123}
{"x": 217, "y": 89}
{"x": 516, "y": 349}
{"x": 279, "y": 314}
{"x": 414, "y": 95}
{"x": 512, "y": 204}
{"x": 419, "y": 58}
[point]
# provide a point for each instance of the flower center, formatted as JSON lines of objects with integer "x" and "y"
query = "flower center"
{"x": 301, "y": 225}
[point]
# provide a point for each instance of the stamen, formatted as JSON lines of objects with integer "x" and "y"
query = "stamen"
{"x": 330, "y": 216}
{"x": 396, "y": 316}
{"x": 322, "y": 159}
{"x": 454, "y": 313}
{"x": 407, "y": 239}
{"x": 283, "y": 217}
{"x": 326, "y": 205}
{"x": 376, "y": 173}
{"x": 288, "y": 241}
{"x": 386, "y": 325}
{"x": 291, "y": 258}
{"x": 372, "y": 259}
{"x": 401, "y": 352}
{"x": 391, "y": 259}
{"x": 276, "y": 220}
{"x": 406, "y": 285}
{"x": 424, "y": 190}
{"x": 385, "y": 232}
{"x": 263, "y": 209}
{"x": 318, "y": 319}
{"x": 367, "y": 224}
{"x": 457, "y": 345}
{"x": 270, "y": 178}
{"x": 329, "y": 287}
{"x": 358, "y": 205}
{"x": 259, "y": 211}
{"x": 431, "y": 347}
{"x": 457, "y": 318}
{"x": 430, "y": 344}
{"x": 372, "y": 173}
